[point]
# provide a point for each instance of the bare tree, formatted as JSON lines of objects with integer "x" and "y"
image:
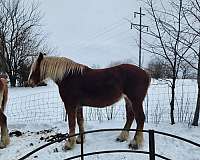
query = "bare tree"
{"x": 159, "y": 69}
{"x": 3, "y": 64}
{"x": 115, "y": 63}
{"x": 20, "y": 35}
{"x": 191, "y": 12}
{"x": 187, "y": 72}
{"x": 167, "y": 30}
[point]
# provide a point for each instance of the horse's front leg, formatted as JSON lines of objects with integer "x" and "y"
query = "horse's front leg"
{"x": 72, "y": 125}
{"x": 5, "y": 140}
{"x": 80, "y": 121}
{"x": 129, "y": 120}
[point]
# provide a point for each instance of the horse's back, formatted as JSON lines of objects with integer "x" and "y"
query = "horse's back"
{"x": 123, "y": 75}
{"x": 129, "y": 73}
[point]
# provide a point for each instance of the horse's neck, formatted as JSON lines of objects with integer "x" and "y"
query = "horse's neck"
{"x": 51, "y": 76}
{"x": 72, "y": 74}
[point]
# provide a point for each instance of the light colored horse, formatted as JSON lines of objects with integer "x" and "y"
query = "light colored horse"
{"x": 5, "y": 140}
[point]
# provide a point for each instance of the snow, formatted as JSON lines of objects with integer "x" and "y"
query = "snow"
{"x": 32, "y": 130}
{"x": 166, "y": 146}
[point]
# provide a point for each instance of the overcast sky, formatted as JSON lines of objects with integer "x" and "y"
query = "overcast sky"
{"x": 91, "y": 31}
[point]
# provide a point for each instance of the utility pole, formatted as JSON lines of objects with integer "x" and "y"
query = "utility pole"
{"x": 140, "y": 29}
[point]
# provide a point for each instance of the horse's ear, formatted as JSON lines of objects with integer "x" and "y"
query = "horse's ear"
{"x": 40, "y": 56}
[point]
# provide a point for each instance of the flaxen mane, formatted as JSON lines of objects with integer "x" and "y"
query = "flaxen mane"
{"x": 57, "y": 67}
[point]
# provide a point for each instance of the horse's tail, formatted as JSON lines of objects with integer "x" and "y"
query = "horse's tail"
{"x": 148, "y": 81}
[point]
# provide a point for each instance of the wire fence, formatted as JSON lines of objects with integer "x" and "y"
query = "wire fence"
{"x": 47, "y": 106}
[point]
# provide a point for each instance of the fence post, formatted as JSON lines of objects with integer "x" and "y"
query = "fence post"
{"x": 151, "y": 145}
{"x": 82, "y": 157}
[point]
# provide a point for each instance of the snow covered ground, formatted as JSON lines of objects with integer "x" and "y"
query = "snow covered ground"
{"x": 166, "y": 146}
{"x": 35, "y": 130}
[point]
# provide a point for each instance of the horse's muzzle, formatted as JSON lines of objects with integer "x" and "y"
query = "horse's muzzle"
{"x": 31, "y": 83}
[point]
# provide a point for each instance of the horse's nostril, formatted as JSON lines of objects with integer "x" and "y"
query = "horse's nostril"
{"x": 30, "y": 83}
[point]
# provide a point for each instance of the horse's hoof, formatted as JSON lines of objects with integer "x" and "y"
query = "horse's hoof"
{"x": 4, "y": 142}
{"x": 78, "y": 140}
{"x": 69, "y": 145}
{"x": 2, "y": 145}
{"x": 123, "y": 136}
{"x": 119, "y": 139}
{"x": 66, "y": 148}
{"x": 133, "y": 146}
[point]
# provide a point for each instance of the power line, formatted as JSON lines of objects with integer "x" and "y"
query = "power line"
{"x": 105, "y": 30}
{"x": 105, "y": 36}
{"x": 104, "y": 39}
{"x": 140, "y": 30}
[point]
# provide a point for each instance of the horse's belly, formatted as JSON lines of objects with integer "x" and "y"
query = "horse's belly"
{"x": 101, "y": 101}
{"x": 101, "y": 93}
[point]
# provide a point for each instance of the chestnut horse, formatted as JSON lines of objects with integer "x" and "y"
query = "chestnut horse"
{"x": 80, "y": 86}
{"x": 3, "y": 119}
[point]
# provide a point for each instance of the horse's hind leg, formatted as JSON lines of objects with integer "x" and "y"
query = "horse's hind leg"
{"x": 80, "y": 121}
{"x": 5, "y": 140}
{"x": 129, "y": 120}
{"x": 137, "y": 141}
